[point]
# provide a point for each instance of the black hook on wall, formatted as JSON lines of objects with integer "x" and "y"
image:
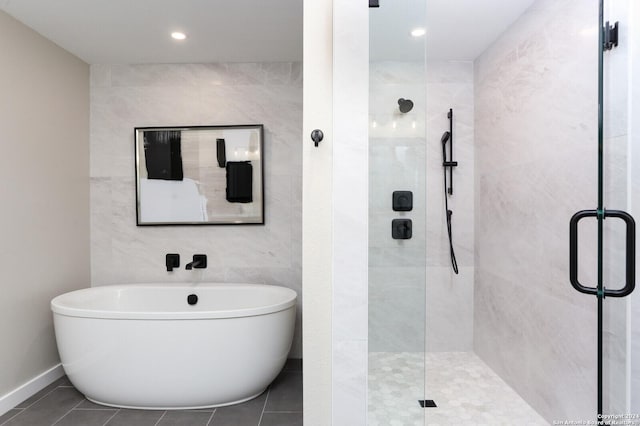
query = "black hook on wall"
{"x": 317, "y": 136}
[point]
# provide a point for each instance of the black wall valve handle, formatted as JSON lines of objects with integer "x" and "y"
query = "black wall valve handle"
{"x": 172, "y": 260}
{"x": 317, "y": 136}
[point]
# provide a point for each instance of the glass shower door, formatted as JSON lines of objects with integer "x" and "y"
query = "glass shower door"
{"x": 501, "y": 335}
{"x": 397, "y": 214}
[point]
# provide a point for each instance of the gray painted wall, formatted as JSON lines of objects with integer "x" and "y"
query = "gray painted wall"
{"x": 44, "y": 117}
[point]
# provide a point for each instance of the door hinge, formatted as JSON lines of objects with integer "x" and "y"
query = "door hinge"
{"x": 610, "y": 36}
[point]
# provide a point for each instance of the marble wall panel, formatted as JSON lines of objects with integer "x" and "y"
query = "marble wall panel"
{"x": 536, "y": 151}
{"x": 634, "y": 201}
{"x": 350, "y": 192}
{"x": 128, "y": 96}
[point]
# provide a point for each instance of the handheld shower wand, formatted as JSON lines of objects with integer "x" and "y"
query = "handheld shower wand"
{"x": 448, "y": 137}
{"x": 445, "y": 138}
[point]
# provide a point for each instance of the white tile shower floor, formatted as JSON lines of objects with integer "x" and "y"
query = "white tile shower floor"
{"x": 465, "y": 389}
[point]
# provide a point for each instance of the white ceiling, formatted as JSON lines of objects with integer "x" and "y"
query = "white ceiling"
{"x": 137, "y": 31}
{"x": 456, "y": 29}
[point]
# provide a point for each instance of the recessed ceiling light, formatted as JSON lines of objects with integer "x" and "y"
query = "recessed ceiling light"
{"x": 178, "y": 35}
{"x": 418, "y": 32}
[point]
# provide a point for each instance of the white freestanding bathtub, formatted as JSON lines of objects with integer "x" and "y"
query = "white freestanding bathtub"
{"x": 145, "y": 346}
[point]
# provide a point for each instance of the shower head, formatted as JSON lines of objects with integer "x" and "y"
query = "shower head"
{"x": 445, "y": 138}
{"x": 405, "y": 105}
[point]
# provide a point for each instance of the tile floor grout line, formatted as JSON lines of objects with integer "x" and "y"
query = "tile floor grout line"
{"x": 65, "y": 414}
{"x": 264, "y": 406}
{"x": 282, "y": 411}
{"x": 109, "y": 419}
{"x": 161, "y": 417}
{"x": 14, "y": 416}
{"x": 40, "y": 399}
{"x": 211, "y": 416}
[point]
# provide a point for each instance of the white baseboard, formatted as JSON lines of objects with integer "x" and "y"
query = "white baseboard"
{"x": 19, "y": 394}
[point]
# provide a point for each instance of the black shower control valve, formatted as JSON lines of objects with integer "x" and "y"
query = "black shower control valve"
{"x": 192, "y": 299}
{"x": 402, "y": 201}
{"x": 172, "y": 260}
{"x": 401, "y": 229}
{"x": 317, "y": 136}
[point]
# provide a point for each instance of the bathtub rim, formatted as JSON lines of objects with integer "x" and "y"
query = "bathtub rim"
{"x": 289, "y": 298}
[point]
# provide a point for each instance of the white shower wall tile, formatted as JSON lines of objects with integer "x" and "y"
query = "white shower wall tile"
{"x": 536, "y": 118}
{"x": 128, "y": 96}
{"x": 350, "y": 145}
{"x": 615, "y": 348}
{"x": 449, "y": 309}
{"x": 523, "y": 219}
{"x": 538, "y": 344}
{"x": 397, "y": 309}
{"x": 394, "y": 73}
{"x": 616, "y": 72}
{"x": 350, "y": 392}
{"x": 533, "y": 86}
{"x": 634, "y": 202}
{"x": 449, "y": 72}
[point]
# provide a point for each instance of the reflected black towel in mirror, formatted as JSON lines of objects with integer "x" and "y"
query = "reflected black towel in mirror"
{"x": 239, "y": 182}
{"x": 163, "y": 154}
{"x": 221, "y": 153}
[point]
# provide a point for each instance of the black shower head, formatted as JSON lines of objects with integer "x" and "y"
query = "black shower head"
{"x": 406, "y": 105}
{"x": 445, "y": 138}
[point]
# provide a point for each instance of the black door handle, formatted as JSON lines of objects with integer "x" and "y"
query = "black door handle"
{"x": 630, "y": 261}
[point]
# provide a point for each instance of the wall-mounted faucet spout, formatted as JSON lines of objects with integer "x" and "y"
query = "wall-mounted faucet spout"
{"x": 199, "y": 262}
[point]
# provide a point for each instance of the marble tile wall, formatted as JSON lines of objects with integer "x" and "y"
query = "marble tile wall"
{"x": 401, "y": 158}
{"x": 616, "y": 196}
{"x": 536, "y": 150}
{"x": 350, "y": 192}
{"x": 126, "y": 96}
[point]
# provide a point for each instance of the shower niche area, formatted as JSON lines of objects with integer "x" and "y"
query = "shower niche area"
{"x": 472, "y": 186}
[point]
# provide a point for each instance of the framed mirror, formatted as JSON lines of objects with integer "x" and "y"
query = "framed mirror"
{"x": 199, "y": 175}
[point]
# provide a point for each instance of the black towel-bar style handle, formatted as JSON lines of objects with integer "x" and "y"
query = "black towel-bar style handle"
{"x": 630, "y": 260}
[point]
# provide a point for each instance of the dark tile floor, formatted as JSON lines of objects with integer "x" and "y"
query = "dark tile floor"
{"x": 61, "y": 404}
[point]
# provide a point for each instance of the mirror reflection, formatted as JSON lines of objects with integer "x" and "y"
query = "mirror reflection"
{"x": 199, "y": 175}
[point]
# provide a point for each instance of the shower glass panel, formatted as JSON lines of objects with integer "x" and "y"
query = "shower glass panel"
{"x": 397, "y": 213}
{"x": 499, "y": 336}
{"x": 616, "y": 343}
